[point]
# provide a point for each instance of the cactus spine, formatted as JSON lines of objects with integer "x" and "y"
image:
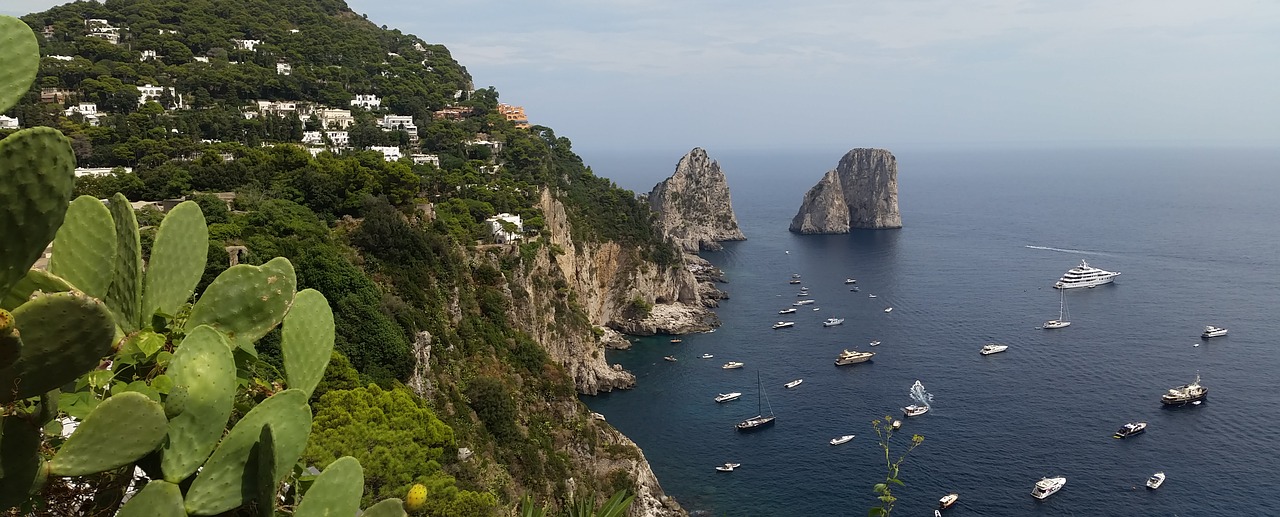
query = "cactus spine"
{"x": 306, "y": 341}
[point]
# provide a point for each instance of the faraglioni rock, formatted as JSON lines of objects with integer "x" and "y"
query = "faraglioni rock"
{"x": 693, "y": 205}
{"x": 862, "y": 192}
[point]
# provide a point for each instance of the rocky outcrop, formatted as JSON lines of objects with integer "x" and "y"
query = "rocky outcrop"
{"x": 862, "y": 192}
{"x": 693, "y": 206}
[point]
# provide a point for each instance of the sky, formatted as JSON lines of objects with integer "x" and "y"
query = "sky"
{"x": 615, "y": 75}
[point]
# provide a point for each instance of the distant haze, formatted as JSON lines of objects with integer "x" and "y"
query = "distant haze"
{"x": 811, "y": 74}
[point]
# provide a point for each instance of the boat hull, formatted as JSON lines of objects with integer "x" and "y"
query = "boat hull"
{"x": 1089, "y": 283}
{"x": 755, "y": 424}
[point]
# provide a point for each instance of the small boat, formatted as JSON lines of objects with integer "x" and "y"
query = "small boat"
{"x": 677, "y": 341}
{"x": 897, "y": 424}
{"x": 759, "y": 420}
{"x": 795, "y": 275}
{"x": 706, "y": 356}
{"x": 732, "y": 365}
{"x": 914, "y": 410}
{"x": 1212, "y": 331}
{"x": 1047, "y": 487}
{"x": 787, "y": 311}
{"x": 784, "y": 324}
{"x": 850, "y": 281}
{"x": 817, "y": 308}
{"x": 842, "y": 439}
{"x": 993, "y": 348}
{"x": 1155, "y": 480}
{"x": 794, "y": 281}
{"x": 728, "y": 467}
{"x": 871, "y": 296}
{"x": 725, "y": 397}
{"x": 1193, "y": 392}
{"x": 669, "y": 358}
{"x": 1130, "y": 429}
{"x": 794, "y": 383}
{"x": 874, "y": 343}
{"x": 1064, "y": 320}
{"x": 853, "y": 357}
{"x": 888, "y": 309}
{"x": 854, "y": 289}
{"x": 937, "y": 513}
{"x": 802, "y": 293}
{"x": 948, "y": 500}
{"x": 831, "y": 322}
{"x": 802, "y": 302}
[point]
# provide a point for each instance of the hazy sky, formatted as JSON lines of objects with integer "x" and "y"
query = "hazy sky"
{"x": 799, "y": 74}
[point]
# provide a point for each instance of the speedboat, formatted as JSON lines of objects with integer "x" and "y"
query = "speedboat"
{"x": 802, "y": 302}
{"x": 725, "y": 397}
{"x": 888, "y": 309}
{"x": 874, "y": 343}
{"x": 897, "y": 424}
{"x": 1130, "y": 429}
{"x": 1085, "y": 275}
{"x": 732, "y": 365}
{"x": 1193, "y": 392}
{"x": 1047, "y": 487}
{"x": 784, "y": 324}
{"x": 794, "y": 383}
{"x": 914, "y": 410}
{"x": 669, "y": 358}
{"x": 707, "y": 356}
{"x": 853, "y": 357}
{"x": 993, "y": 348}
{"x": 948, "y": 500}
{"x": 1212, "y": 331}
{"x": 1155, "y": 480}
{"x": 794, "y": 281}
{"x": 791, "y": 310}
{"x": 842, "y": 439}
{"x": 871, "y": 296}
{"x": 728, "y": 467}
{"x": 677, "y": 341}
{"x": 850, "y": 281}
{"x": 803, "y": 293}
{"x": 831, "y": 322}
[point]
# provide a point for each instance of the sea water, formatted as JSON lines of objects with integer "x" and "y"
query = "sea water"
{"x": 1195, "y": 234}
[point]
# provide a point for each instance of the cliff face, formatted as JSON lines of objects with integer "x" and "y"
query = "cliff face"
{"x": 693, "y": 206}
{"x": 862, "y": 192}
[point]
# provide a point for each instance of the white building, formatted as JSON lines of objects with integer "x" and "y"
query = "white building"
{"x": 312, "y": 138}
{"x": 284, "y": 69}
{"x": 88, "y": 110}
{"x": 496, "y": 147}
{"x": 502, "y": 235}
{"x": 246, "y": 44}
{"x": 422, "y": 159}
{"x": 367, "y": 101}
{"x": 335, "y": 118}
{"x": 100, "y": 171}
{"x": 201, "y": 59}
{"x": 61, "y": 58}
{"x": 148, "y": 54}
{"x": 8, "y": 122}
{"x": 111, "y": 37}
{"x": 397, "y": 123}
{"x": 282, "y": 108}
{"x": 390, "y": 154}
{"x": 147, "y": 93}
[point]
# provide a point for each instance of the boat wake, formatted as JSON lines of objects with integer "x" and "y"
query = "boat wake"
{"x": 1064, "y": 250}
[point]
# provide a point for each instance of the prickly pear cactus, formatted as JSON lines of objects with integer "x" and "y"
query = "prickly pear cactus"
{"x": 306, "y": 341}
{"x": 245, "y": 302}
{"x": 386, "y": 508}
{"x": 37, "y": 168}
{"x": 18, "y": 458}
{"x": 157, "y": 499}
{"x": 336, "y": 491}
{"x": 10, "y": 343}
{"x": 84, "y": 250}
{"x": 178, "y": 257}
{"x": 64, "y": 335}
{"x": 203, "y": 368}
{"x": 118, "y": 432}
{"x": 19, "y": 59}
{"x": 34, "y": 280}
{"x": 264, "y": 461}
{"x": 124, "y": 297}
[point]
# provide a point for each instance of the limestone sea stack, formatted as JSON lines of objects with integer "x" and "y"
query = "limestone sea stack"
{"x": 693, "y": 206}
{"x": 861, "y": 193}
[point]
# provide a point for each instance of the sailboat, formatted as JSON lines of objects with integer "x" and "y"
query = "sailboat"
{"x": 759, "y": 420}
{"x": 1064, "y": 319}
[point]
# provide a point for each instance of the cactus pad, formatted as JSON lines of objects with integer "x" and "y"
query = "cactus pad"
{"x": 306, "y": 340}
{"x": 19, "y": 460}
{"x": 222, "y": 483}
{"x": 34, "y": 280}
{"x": 124, "y": 297}
{"x": 203, "y": 365}
{"x": 84, "y": 250}
{"x": 118, "y": 432}
{"x": 10, "y": 342}
{"x": 37, "y": 168}
{"x": 386, "y": 508}
{"x": 336, "y": 491}
{"x": 245, "y": 302}
{"x": 264, "y": 462}
{"x": 177, "y": 261}
{"x": 157, "y": 499}
{"x": 64, "y": 335}
{"x": 19, "y": 59}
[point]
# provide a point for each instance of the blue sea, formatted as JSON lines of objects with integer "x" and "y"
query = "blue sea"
{"x": 1195, "y": 234}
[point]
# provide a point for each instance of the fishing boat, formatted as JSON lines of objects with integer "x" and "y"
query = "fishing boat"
{"x": 948, "y": 500}
{"x": 760, "y": 420}
{"x": 842, "y": 439}
{"x": 794, "y": 383}
{"x": 1064, "y": 319}
{"x": 1193, "y": 393}
{"x": 914, "y": 410}
{"x": 922, "y": 399}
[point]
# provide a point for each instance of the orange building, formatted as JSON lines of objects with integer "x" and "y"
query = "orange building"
{"x": 514, "y": 114}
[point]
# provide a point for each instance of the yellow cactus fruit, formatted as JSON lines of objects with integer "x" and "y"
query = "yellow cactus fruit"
{"x": 416, "y": 498}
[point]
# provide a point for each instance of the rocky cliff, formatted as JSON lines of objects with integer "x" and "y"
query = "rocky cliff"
{"x": 861, "y": 192}
{"x": 693, "y": 206}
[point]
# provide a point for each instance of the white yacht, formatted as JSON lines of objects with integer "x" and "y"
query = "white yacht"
{"x": 791, "y": 310}
{"x": 948, "y": 500}
{"x": 1193, "y": 393}
{"x": 1064, "y": 317}
{"x": 1155, "y": 480}
{"x": 993, "y": 348}
{"x": 850, "y": 281}
{"x": 914, "y": 410}
{"x": 874, "y": 343}
{"x": 1212, "y": 331}
{"x": 725, "y": 397}
{"x": 842, "y": 439}
{"x": 1085, "y": 275}
{"x": 728, "y": 467}
{"x": 803, "y": 302}
{"x": 1047, "y": 487}
{"x": 794, "y": 383}
{"x": 853, "y": 357}
{"x": 731, "y": 365}
{"x": 784, "y": 324}
{"x": 707, "y": 356}
{"x": 831, "y": 322}
{"x": 888, "y": 309}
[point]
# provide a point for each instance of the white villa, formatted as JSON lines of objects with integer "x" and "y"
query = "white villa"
{"x": 421, "y": 159}
{"x": 246, "y": 44}
{"x": 88, "y": 110}
{"x": 335, "y": 118}
{"x": 284, "y": 69}
{"x": 367, "y": 101}
{"x": 7, "y": 122}
{"x": 390, "y": 154}
{"x": 502, "y": 236}
{"x": 337, "y": 139}
{"x": 147, "y": 93}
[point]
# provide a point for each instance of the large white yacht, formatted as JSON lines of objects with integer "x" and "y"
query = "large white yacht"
{"x": 1047, "y": 487}
{"x": 993, "y": 348}
{"x": 1085, "y": 275}
{"x": 784, "y": 324}
{"x": 1212, "y": 331}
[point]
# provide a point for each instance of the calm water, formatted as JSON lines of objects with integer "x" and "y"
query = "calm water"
{"x": 1194, "y": 233}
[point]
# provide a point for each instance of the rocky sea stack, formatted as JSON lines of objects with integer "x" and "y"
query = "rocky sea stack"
{"x": 862, "y": 192}
{"x": 693, "y": 207}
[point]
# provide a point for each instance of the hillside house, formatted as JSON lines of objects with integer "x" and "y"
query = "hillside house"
{"x": 367, "y": 101}
{"x": 337, "y": 139}
{"x": 111, "y": 37}
{"x": 7, "y": 122}
{"x": 335, "y": 118}
{"x": 284, "y": 69}
{"x": 514, "y": 114}
{"x": 246, "y": 44}
{"x": 505, "y": 233}
{"x": 147, "y": 93}
{"x": 423, "y": 159}
{"x": 87, "y": 110}
{"x": 56, "y": 95}
{"x": 389, "y": 153}
{"x": 451, "y": 113}
{"x": 60, "y": 58}
{"x": 148, "y": 54}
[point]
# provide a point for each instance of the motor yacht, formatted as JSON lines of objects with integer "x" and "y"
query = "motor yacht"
{"x": 794, "y": 281}
{"x": 874, "y": 343}
{"x": 1193, "y": 392}
{"x": 888, "y": 309}
{"x": 914, "y": 410}
{"x": 1130, "y": 429}
{"x": 993, "y": 348}
{"x": 842, "y": 439}
{"x": 791, "y": 310}
{"x": 725, "y": 397}
{"x": 948, "y": 500}
{"x": 1212, "y": 331}
{"x": 1047, "y": 487}
{"x": 669, "y": 358}
{"x": 850, "y": 281}
{"x": 784, "y": 324}
{"x": 871, "y": 296}
{"x": 803, "y": 302}
{"x": 1085, "y": 275}
{"x": 897, "y": 424}
{"x": 1155, "y": 480}
{"x": 794, "y": 383}
{"x": 853, "y": 357}
{"x": 831, "y": 322}
{"x": 728, "y": 467}
{"x": 732, "y": 365}
{"x": 707, "y": 356}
